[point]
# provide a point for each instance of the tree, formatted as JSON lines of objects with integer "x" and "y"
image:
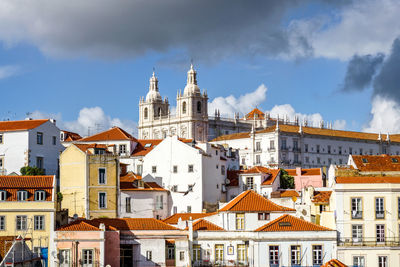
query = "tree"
{"x": 287, "y": 181}
{"x": 28, "y": 170}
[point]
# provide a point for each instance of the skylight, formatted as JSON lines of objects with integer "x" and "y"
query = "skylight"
{"x": 147, "y": 145}
{"x": 394, "y": 160}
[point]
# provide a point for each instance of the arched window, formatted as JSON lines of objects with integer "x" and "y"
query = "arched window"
{"x": 146, "y": 113}
{"x": 198, "y": 107}
{"x": 159, "y": 112}
{"x": 184, "y": 108}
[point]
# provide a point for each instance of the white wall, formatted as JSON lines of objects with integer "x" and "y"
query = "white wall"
{"x": 143, "y": 204}
{"x": 14, "y": 151}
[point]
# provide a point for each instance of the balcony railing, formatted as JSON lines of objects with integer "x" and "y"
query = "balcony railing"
{"x": 271, "y": 149}
{"x": 230, "y": 263}
{"x": 284, "y": 148}
{"x": 380, "y": 214}
{"x": 297, "y": 149}
{"x": 369, "y": 242}
{"x": 356, "y": 214}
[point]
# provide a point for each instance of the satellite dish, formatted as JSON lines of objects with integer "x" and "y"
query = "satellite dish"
{"x": 75, "y": 216}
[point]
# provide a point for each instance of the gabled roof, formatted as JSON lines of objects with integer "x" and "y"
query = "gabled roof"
{"x": 10, "y": 126}
{"x": 85, "y": 147}
{"x": 255, "y": 114}
{"x": 173, "y": 219}
{"x": 250, "y": 201}
{"x": 305, "y": 172}
{"x": 144, "y": 146}
{"x": 112, "y": 134}
{"x": 377, "y": 163}
{"x": 203, "y": 225}
{"x": 117, "y": 224}
{"x": 285, "y": 193}
{"x": 130, "y": 177}
{"x": 21, "y": 182}
{"x": 147, "y": 186}
{"x": 368, "y": 180}
{"x": 334, "y": 263}
{"x": 271, "y": 173}
{"x": 291, "y": 223}
{"x": 70, "y": 136}
{"x": 321, "y": 196}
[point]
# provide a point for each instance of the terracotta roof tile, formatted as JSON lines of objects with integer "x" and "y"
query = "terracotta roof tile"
{"x": 9, "y": 126}
{"x": 305, "y": 172}
{"x": 173, "y": 219}
{"x": 114, "y": 133}
{"x": 321, "y": 196}
{"x": 147, "y": 186}
{"x": 250, "y": 201}
{"x": 203, "y": 225}
{"x": 334, "y": 263}
{"x": 70, "y": 136}
{"x": 85, "y": 147}
{"x": 289, "y": 193}
{"x": 368, "y": 180}
{"x": 255, "y": 114}
{"x": 272, "y": 174}
{"x": 291, "y": 223}
{"x": 118, "y": 224}
{"x": 144, "y": 146}
{"x": 130, "y": 177}
{"x": 377, "y": 163}
{"x": 20, "y": 182}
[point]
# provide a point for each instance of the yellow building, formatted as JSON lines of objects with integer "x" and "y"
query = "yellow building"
{"x": 321, "y": 204}
{"x": 28, "y": 209}
{"x": 368, "y": 220}
{"x": 89, "y": 175}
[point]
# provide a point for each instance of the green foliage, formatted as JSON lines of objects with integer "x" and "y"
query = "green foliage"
{"x": 287, "y": 181}
{"x": 28, "y": 170}
{"x": 59, "y": 196}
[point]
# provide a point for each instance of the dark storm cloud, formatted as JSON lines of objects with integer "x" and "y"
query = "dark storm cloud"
{"x": 360, "y": 71}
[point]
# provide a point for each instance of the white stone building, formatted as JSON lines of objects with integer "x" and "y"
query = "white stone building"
{"x": 289, "y": 146}
{"x": 29, "y": 142}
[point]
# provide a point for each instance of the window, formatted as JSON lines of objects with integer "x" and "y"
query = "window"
{"x": 263, "y": 216}
{"x": 54, "y": 140}
{"x": 239, "y": 221}
{"x": 189, "y": 209}
{"x": 159, "y": 202}
{"x": 271, "y": 144}
{"x": 317, "y": 254}
{"x": 340, "y": 161}
{"x": 3, "y": 196}
{"x": 128, "y": 207}
{"x": 356, "y": 208}
{"x": 198, "y": 107}
{"x": 382, "y": 261}
{"x": 242, "y": 253}
{"x": 159, "y": 112}
{"x": 319, "y": 160}
{"x": 307, "y": 159}
{"x": 305, "y": 147}
{"x": 22, "y": 195}
{"x": 102, "y": 175}
{"x": 87, "y": 256}
{"x": 258, "y": 159}
{"x": 283, "y": 146}
{"x": 139, "y": 169}
{"x": 39, "y": 162}
{"x": 318, "y": 148}
{"x": 175, "y": 209}
{"x": 39, "y": 222}
{"x": 170, "y": 252}
{"x": 63, "y": 256}
{"x": 175, "y": 169}
{"x": 122, "y": 149}
{"x": 358, "y": 261}
{"x": 196, "y": 253}
{"x": 39, "y": 138}
{"x": 274, "y": 256}
{"x": 357, "y": 232}
{"x": 379, "y": 208}
{"x": 258, "y": 146}
{"x": 154, "y": 169}
{"x": 350, "y": 150}
{"x": 146, "y": 113}
{"x": 249, "y": 182}
{"x": 380, "y": 233}
{"x": 40, "y": 195}
{"x": 295, "y": 145}
{"x": 21, "y": 222}
{"x": 182, "y": 253}
{"x": 184, "y": 108}
{"x": 2, "y": 223}
{"x": 219, "y": 253}
{"x": 295, "y": 255}
{"x": 340, "y": 150}
{"x": 395, "y": 160}
{"x": 361, "y": 152}
{"x": 222, "y": 170}
{"x": 1, "y": 138}
{"x": 148, "y": 255}
{"x": 243, "y": 161}
{"x": 329, "y": 149}
{"x": 398, "y": 207}
{"x": 102, "y": 200}
{"x": 371, "y": 151}
{"x": 190, "y": 168}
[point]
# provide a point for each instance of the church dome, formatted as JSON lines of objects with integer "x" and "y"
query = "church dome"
{"x": 191, "y": 87}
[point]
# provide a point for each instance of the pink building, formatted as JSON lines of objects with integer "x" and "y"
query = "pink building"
{"x": 307, "y": 177}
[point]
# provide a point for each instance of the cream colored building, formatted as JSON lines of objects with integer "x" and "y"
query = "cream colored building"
{"x": 89, "y": 176}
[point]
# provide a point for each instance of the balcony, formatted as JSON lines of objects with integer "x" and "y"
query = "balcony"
{"x": 356, "y": 214}
{"x": 297, "y": 149}
{"x": 284, "y": 148}
{"x": 380, "y": 214}
{"x": 230, "y": 263}
{"x": 369, "y": 242}
{"x": 259, "y": 149}
{"x": 271, "y": 149}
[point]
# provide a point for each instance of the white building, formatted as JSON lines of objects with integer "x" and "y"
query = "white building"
{"x": 288, "y": 146}
{"x": 33, "y": 143}
{"x": 195, "y": 174}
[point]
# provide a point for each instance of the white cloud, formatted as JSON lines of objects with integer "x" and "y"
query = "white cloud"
{"x": 385, "y": 116}
{"x": 90, "y": 120}
{"x": 243, "y": 104}
{"x": 7, "y": 71}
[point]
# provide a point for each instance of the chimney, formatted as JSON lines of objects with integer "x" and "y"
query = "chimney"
{"x": 53, "y": 121}
{"x": 298, "y": 171}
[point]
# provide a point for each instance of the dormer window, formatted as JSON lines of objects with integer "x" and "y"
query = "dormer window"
{"x": 3, "y": 195}
{"x": 364, "y": 160}
{"x": 40, "y": 195}
{"x": 395, "y": 160}
{"x": 22, "y": 195}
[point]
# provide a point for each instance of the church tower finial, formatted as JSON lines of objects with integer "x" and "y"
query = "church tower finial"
{"x": 153, "y": 93}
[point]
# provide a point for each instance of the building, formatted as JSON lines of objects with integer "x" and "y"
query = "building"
{"x": 15, "y": 252}
{"x": 89, "y": 175}
{"x": 289, "y": 146}
{"x": 307, "y": 177}
{"x": 28, "y": 210}
{"x": 120, "y": 242}
{"x": 67, "y": 137}
{"x": 194, "y": 173}
{"x": 34, "y": 143}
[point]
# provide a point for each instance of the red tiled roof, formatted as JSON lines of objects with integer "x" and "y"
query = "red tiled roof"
{"x": 144, "y": 146}
{"x": 289, "y": 193}
{"x": 118, "y": 224}
{"x": 147, "y": 186}
{"x": 114, "y": 133}
{"x": 203, "y": 225}
{"x": 334, "y": 263}
{"x": 321, "y": 196}
{"x": 368, "y": 180}
{"x": 9, "y": 126}
{"x": 173, "y": 219}
{"x": 71, "y": 136}
{"x": 378, "y": 163}
{"x": 130, "y": 177}
{"x": 291, "y": 223}
{"x": 21, "y": 182}
{"x": 250, "y": 201}
{"x": 271, "y": 173}
{"x": 255, "y": 114}
{"x": 304, "y": 172}
{"x": 86, "y": 147}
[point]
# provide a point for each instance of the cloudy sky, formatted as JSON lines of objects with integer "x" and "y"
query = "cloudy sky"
{"x": 86, "y": 63}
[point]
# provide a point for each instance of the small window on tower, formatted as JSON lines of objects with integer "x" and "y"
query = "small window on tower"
{"x": 146, "y": 113}
{"x": 198, "y": 107}
{"x": 184, "y": 108}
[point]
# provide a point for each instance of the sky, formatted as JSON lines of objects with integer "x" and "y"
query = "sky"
{"x": 86, "y": 64}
